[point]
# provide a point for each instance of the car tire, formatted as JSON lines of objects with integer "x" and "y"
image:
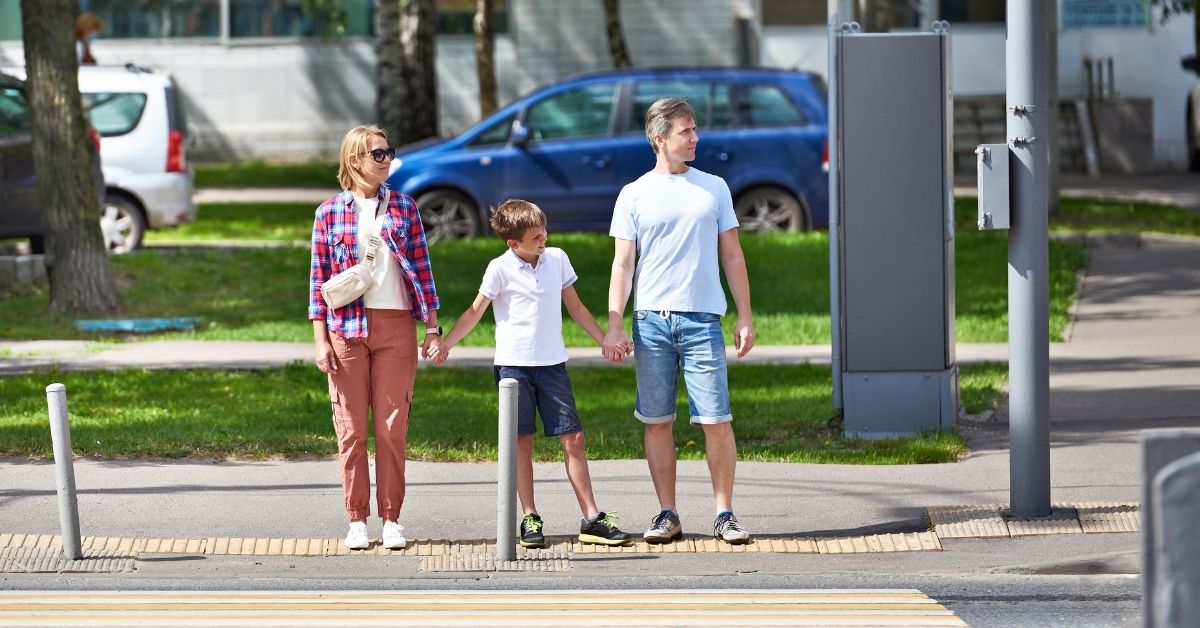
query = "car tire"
{"x": 448, "y": 215}
{"x": 770, "y": 208}
{"x": 121, "y": 224}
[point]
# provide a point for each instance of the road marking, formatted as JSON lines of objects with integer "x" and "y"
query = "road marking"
{"x": 789, "y": 607}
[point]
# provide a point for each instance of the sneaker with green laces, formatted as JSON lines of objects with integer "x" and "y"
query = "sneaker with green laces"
{"x": 531, "y": 531}
{"x": 603, "y": 530}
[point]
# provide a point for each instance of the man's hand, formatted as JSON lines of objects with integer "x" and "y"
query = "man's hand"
{"x": 743, "y": 336}
{"x": 616, "y": 345}
{"x": 326, "y": 359}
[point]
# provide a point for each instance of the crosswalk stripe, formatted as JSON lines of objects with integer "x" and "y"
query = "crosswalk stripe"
{"x": 830, "y": 607}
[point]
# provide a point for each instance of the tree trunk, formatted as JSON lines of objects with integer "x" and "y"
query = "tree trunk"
{"x": 406, "y": 49}
{"x": 485, "y": 57}
{"x": 76, "y": 257}
{"x": 616, "y": 35}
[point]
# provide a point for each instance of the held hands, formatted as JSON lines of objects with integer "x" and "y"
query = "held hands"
{"x": 616, "y": 346}
{"x": 743, "y": 336}
{"x": 433, "y": 348}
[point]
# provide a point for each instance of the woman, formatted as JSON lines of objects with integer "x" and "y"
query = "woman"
{"x": 368, "y": 347}
{"x": 86, "y": 27}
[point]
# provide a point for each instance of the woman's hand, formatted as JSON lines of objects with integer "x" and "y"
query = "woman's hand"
{"x": 326, "y": 359}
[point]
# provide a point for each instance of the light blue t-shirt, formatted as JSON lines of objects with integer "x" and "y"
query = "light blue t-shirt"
{"x": 675, "y": 220}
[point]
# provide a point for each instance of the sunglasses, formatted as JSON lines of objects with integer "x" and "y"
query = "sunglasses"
{"x": 380, "y": 154}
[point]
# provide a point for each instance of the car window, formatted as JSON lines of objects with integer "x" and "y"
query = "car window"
{"x": 710, "y": 100}
{"x": 495, "y": 134}
{"x": 576, "y": 113}
{"x": 767, "y": 105}
{"x": 114, "y": 114}
{"x": 14, "y": 111}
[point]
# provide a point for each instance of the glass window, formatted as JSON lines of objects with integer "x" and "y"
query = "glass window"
{"x": 152, "y": 19}
{"x": 14, "y": 111}
{"x": 577, "y": 113}
{"x": 298, "y": 18}
{"x": 794, "y": 12}
{"x": 767, "y": 105}
{"x": 496, "y": 134}
{"x": 457, "y": 17}
{"x": 114, "y": 114}
{"x": 711, "y": 101}
{"x": 963, "y": 11}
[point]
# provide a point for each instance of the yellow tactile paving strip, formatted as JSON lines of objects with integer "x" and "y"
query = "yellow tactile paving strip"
{"x": 994, "y": 520}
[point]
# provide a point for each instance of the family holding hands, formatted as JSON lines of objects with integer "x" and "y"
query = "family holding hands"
{"x": 674, "y": 230}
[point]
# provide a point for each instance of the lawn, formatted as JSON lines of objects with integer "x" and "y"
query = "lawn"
{"x": 781, "y": 414}
{"x": 261, "y": 293}
{"x": 256, "y": 173}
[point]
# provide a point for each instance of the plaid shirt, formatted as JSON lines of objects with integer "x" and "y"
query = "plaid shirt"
{"x": 335, "y": 248}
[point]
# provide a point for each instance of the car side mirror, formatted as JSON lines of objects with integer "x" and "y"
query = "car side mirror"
{"x": 520, "y": 133}
{"x": 1191, "y": 64}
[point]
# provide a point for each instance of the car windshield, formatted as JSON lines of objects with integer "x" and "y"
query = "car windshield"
{"x": 116, "y": 113}
{"x": 14, "y": 111}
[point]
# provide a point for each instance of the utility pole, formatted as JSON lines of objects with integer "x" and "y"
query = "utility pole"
{"x": 1028, "y": 112}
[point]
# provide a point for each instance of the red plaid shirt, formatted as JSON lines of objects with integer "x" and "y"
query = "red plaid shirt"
{"x": 335, "y": 248}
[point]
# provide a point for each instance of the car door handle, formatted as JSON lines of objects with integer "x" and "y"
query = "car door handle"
{"x": 598, "y": 163}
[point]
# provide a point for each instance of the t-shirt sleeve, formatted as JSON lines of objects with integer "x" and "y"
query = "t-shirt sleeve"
{"x": 726, "y": 218}
{"x": 491, "y": 284}
{"x": 568, "y": 273}
{"x": 623, "y": 224}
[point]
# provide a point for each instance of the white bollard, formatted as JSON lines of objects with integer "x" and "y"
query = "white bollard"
{"x": 506, "y": 471}
{"x": 64, "y": 465}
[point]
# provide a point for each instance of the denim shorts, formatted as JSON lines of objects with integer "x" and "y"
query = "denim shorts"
{"x": 546, "y": 389}
{"x": 665, "y": 341}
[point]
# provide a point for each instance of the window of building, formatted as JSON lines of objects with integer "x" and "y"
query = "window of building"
{"x": 575, "y": 113}
{"x": 794, "y": 12}
{"x": 14, "y": 111}
{"x": 457, "y": 17}
{"x": 966, "y": 11}
{"x": 767, "y": 105}
{"x": 710, "y": 100}
{"x": 114, "y": 114}
{"x": 153, "y": 19}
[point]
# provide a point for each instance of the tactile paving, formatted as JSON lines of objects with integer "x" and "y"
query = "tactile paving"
{"x": 1099, "y": 517}
{"x": 968, "y": 522}
{"x": 52, "y": 560}
{"x": 1063, "y": 519}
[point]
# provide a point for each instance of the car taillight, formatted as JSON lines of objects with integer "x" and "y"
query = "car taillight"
{"x": 94, "y": 137}
{"x": 176, "y": 162}
{"x": 825, "y": 157}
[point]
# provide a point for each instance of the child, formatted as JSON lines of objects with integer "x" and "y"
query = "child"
{"x": 529, "y": 284}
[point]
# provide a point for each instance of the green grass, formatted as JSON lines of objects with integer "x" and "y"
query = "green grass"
{"x": 261, "y": 293}
{"x": 274, "y": 222}
{"x": 781, "y": 414}
{"x": 1086, "y": 214}
{"x": 256, "y": 173}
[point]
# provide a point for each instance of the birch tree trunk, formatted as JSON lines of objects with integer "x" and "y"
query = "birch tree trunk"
{"x": 616, "y": 34}
{"x": 406, "y": 47}
{"x": 485, "y": 57}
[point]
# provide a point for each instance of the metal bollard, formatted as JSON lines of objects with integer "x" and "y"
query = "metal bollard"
{"x": 68, "y": 507}
{"x": 506, "y": 471}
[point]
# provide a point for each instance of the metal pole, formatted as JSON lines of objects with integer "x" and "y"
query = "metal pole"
{"x": 835, "y": 265}
{"x": 1028, "y": 309}
{"x": 506, "y": 503}
{"x": 64, "y": 466}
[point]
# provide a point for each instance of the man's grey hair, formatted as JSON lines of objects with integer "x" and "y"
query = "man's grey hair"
{"x": 660, "y": 115}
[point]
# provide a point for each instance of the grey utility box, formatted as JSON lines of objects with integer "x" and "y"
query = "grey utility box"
{"x": 992, "y": 167}
{"x": 896, "y": 254}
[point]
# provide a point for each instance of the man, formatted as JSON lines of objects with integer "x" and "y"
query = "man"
{"x": 678, "y": 222}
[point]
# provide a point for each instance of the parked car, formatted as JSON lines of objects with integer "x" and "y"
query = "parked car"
{"x": 571, "y": 146}
{"x": 143, "y": 151}
{"x": 1192, "y": 123}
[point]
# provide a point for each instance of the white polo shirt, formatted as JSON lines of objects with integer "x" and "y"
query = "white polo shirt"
{"x": 527, "y": 304}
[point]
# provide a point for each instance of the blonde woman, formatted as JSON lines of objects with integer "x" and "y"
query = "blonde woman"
{"x": 368, "y": 347}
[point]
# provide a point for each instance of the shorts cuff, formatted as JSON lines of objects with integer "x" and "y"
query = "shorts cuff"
{"x": 654, "y": 420}
{"x": 712, "y": 420}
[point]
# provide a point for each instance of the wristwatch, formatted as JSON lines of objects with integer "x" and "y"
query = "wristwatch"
{"x": 436, "y": 331}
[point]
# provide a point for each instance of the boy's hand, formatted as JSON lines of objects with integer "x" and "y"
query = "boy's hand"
{"x": 616, "y": 346}
{"x": 439, "y": 353}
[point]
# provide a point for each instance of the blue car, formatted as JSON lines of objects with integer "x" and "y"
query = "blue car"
{"x": 571, "y": 146}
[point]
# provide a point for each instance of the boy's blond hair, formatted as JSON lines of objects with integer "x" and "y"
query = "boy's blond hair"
{"x": 355, "y": 144}
{"x": 514, "y": 217}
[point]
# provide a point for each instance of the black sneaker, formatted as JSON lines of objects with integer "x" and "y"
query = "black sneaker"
{"x": 727, "y": 528}
{"x": 531, "y": 531}
{"x": 664, "y": 528}
{"x": 603, "y": 531}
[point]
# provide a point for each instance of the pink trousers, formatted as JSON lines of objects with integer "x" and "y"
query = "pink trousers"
{"x": 376, "y": 374}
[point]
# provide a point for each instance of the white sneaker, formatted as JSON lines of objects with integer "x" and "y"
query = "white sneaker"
{"x": 356, "y": 537}
{"x": 393, "y": 535}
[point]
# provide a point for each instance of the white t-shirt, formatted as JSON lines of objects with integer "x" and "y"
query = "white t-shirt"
{"x": 675, "y": 220}
{"x": 527, "y": 304}
{"x": 387, "y": 280}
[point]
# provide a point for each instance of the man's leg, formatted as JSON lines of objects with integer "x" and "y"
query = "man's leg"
{"x": 720, "y": 450}
{"x": 660, "y": 457}
{"x": 657, "y": 364}
{"x": 705, "y": 374}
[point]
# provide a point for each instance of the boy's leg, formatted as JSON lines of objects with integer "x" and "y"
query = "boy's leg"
{"x": 575, "y": 458}
{"x": 525, "y": 473}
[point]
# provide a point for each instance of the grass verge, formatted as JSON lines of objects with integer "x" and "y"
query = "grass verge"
{"x": 284, "y": 413}
{"x": 257, "y": 173}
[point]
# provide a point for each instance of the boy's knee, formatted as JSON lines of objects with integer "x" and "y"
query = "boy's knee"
{"x": 573, "y": 440}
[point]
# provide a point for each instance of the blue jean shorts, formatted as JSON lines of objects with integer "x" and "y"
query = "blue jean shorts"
{"x": 664, "y": 342}
{"x": 546, "y": 390}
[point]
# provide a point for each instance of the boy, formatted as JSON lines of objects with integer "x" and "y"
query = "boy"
{"x": 528, "y": 285}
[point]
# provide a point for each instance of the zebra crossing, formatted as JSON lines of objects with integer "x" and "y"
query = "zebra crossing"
{"x": 761, "y": 607}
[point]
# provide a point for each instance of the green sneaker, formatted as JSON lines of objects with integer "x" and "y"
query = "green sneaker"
{"x": 531, "y": 531}
{"x": 603, "y": 531}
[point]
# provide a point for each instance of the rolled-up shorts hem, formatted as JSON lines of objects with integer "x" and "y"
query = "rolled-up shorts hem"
{"x": 654, "y": 420}
{"x": 712, "y": 420}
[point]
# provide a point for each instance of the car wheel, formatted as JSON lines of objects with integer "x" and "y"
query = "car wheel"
{"x": 770, "y": 209}
{"x": 448, "y": 215}
{"x": 121, "y": 224}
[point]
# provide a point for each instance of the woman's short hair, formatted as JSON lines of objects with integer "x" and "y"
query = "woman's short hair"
{"x": 660, "y": 115}
{"x": 514, "y": 217}
{"x": 355, "y": 143}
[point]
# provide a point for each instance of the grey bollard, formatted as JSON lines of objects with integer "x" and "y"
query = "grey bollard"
{"x": 1177, "y": 543}
{"x": 506, "y": 471}
{"x": 1160, "y": 448}
{"x": 68, "y": 507}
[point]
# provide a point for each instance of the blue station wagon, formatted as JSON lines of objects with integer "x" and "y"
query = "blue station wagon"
{"x": 571, "y": 146}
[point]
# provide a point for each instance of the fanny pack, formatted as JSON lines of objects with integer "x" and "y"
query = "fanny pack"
{"x": 353, "y": 282}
